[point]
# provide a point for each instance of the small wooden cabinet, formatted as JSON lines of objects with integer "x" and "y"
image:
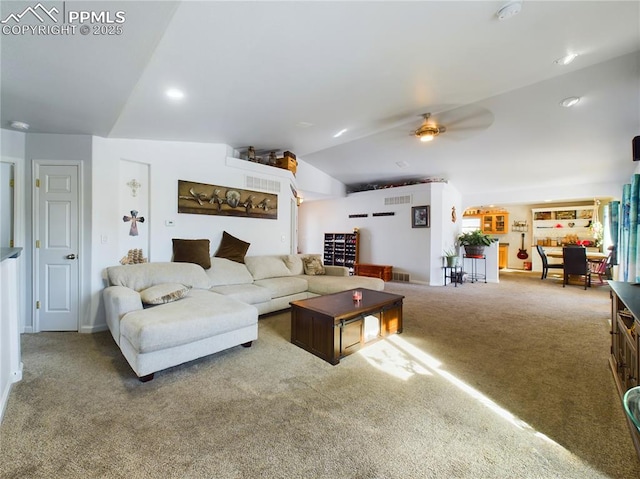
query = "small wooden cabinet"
{"x": 495, "y": 223}
{"x": 384, "y": 272}
{"x": 625, "y": 343}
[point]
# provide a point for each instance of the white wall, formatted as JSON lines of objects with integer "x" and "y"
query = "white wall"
{"x": 388, "y": 240}
{"x": 169, "y": 162}
{"x": 315, "y": 184}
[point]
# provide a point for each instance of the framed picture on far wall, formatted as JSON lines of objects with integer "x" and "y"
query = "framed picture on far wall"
{"x": 420, "y": 217}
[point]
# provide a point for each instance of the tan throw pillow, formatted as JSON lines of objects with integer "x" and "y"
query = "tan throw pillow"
{"x": 232, "y": 248}
{"x": 192, "y": 251}
{"x": 163, "y": 293}
{"x": 313, "y": 266}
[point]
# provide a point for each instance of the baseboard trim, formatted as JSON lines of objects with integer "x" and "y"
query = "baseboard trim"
{"x": 93, "y": 329}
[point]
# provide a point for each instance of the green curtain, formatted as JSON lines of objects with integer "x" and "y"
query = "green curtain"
{"x": 629, "y": 249}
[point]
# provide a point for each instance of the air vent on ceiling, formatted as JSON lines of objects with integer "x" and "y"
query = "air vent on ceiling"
{"x": 398, "y": 200}
{"x": 254, "y": 182}
{"x": 403, "y": 277}
{"x": 361, "y": 215}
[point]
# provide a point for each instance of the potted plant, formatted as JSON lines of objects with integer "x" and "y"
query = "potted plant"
{"x": 474, "y": 242}
{"x": 451, "y": 256}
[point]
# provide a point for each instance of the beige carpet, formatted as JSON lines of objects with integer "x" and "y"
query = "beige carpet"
{"x": 505, "y": 380}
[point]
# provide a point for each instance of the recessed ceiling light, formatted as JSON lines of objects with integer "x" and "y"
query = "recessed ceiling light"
{"x": 340, "y": 133}
{"x": 175, "y": 94}
{"x": 509, "y": 10}
{"x": 19, "y": 125}
{"x": 566, "y": 59}
{"x": 569, "y": 102}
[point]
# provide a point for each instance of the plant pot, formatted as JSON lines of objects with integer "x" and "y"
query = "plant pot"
{"x": 452, "y": 261}
{"x": 474, "y": 250}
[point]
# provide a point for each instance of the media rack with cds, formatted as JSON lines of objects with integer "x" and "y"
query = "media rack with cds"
{"x": 341, "y": 249}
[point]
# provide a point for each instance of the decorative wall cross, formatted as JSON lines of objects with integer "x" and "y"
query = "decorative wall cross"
{"x": 134, "y": 185}
{"x": 133, "y": 231}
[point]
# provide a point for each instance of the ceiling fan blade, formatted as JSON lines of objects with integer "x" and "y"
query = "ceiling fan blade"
{"x": 467, "y": 117}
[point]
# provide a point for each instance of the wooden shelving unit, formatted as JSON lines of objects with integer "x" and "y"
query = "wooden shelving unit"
{"x": 555, "y": 226}
{"x": 341, "y": 249}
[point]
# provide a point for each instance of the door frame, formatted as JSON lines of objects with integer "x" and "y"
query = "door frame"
{"x": 35, "y": 169}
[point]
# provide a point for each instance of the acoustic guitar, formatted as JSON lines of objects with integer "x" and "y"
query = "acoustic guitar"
{"x": 522, "y": 252}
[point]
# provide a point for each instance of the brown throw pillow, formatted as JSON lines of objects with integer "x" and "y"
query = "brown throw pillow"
{"x": 192, "y": 251}
{"x": 232, "y": 248}
{"x": 313, "y": 266}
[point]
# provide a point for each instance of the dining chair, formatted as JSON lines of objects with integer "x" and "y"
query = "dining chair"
{"x": 545, "y": 262}
{"x": 600, "y": 267}
{"x": 576, "y": 264}
{"x": 631, "y": 402}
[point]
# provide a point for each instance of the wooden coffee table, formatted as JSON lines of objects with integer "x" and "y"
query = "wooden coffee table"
{"x": 334, "y": 325}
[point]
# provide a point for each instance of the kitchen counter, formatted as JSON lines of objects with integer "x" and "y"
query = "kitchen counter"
{"x": 9, "y": 253}
{"x": 10, "y": 356}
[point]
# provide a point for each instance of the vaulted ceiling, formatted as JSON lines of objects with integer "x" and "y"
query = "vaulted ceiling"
{"x": 290, "y": 75}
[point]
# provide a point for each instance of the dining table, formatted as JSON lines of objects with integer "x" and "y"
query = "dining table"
{"x": 592, "y": 255}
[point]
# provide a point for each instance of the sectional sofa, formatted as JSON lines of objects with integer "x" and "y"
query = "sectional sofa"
{"x": 165, "y": 314}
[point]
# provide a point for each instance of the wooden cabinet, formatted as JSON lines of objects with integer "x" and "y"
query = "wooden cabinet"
{"x": 503, "y": 256}
{"x": 382, "y": 271}
{"x": 625, "y": 344}
{"x": 495, "y": 223}
{"x": 341, "y": 249}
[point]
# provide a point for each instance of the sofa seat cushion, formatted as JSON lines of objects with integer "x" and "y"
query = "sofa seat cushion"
{"x": 267, "y": 266}
{"x": 224, "y": 271}
{"x": 334, "y": 284}
{"x": 202, "y": 314}
{"x": 279, "y": 287}
{"x": 144, "y": 275}
{"x": 247, "y": 293}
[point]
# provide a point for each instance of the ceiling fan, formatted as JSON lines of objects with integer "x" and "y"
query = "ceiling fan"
{"x": 428, "y": 130}
{"x": 459, "y": 123}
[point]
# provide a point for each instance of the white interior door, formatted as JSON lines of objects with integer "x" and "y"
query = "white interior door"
{"x": 57, "y": 243}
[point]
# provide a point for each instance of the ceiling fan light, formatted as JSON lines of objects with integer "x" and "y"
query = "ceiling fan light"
{"x": 426, "y": 137}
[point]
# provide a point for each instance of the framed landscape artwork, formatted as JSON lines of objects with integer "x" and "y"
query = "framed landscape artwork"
{"x": 204, "y": 199}
{"x": 420, "y": 217}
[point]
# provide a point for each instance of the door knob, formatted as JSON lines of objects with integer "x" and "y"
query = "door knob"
{"x": 71, "y": 256}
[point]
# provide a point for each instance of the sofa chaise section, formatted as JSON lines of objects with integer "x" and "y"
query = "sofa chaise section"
{"x": 156, "y": 337}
